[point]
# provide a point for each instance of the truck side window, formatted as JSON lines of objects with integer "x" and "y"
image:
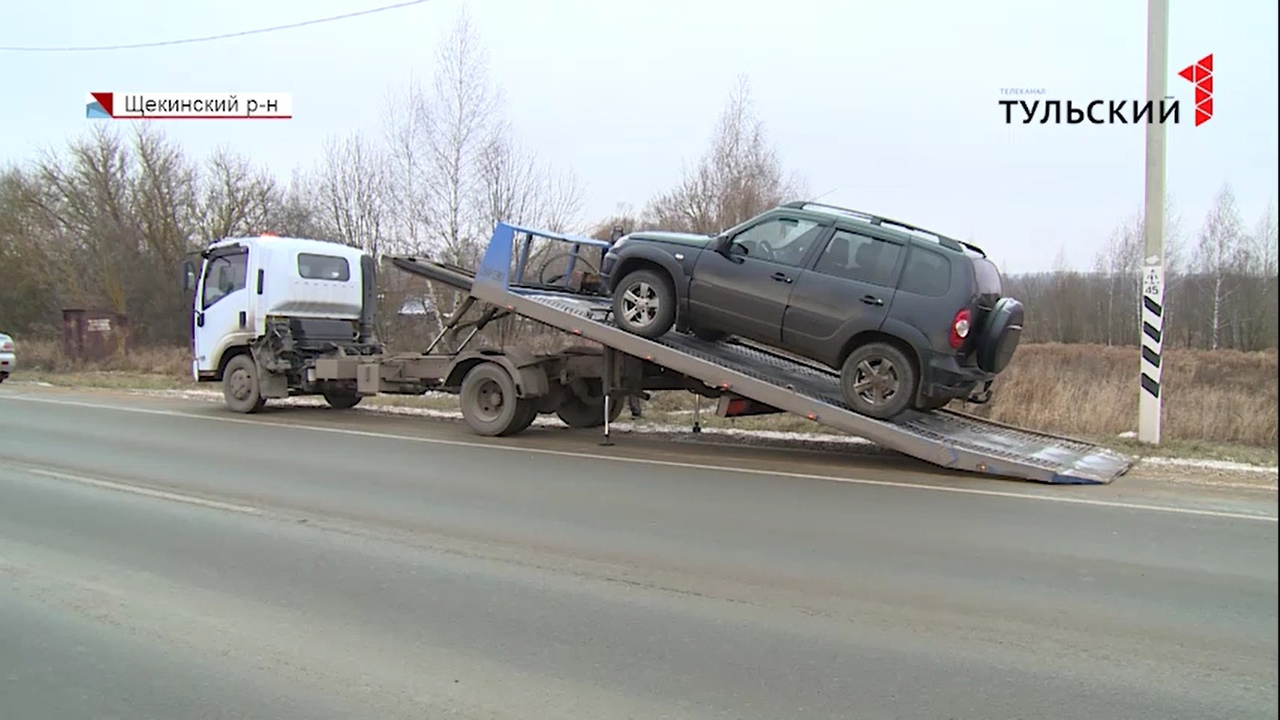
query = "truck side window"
{"x": 223, "y": 276}
{"x": 323, "y": 267}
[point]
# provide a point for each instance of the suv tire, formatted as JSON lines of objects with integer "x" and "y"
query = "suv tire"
{"x": 878, "y": 380}
{"x": 644, "y": 303}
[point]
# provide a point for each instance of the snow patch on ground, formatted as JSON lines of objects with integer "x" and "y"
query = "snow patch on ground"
{"x": 1223, "y": 465}
{"x": 813, "y": 440}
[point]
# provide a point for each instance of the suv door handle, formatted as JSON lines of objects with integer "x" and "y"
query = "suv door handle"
{"x": 781, "y": 277}
{"x": 872, "y": 300}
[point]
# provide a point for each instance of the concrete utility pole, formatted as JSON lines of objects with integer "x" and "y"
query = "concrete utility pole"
{"x": 1152, "y": 290}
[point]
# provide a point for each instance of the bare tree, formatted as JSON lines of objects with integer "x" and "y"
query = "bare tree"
{"x": 1218, "y": 248}
{"x": 463, "y": 108}
{"x": 406, "y": 130}
{"x": 507, "y": 180}
{"x": 236, "y": 197}
{"x": 739, "y": 176}
{"x": 353, "y": 190}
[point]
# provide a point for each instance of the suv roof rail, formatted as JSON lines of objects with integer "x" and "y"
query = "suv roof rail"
{"x": 873, "y": 219}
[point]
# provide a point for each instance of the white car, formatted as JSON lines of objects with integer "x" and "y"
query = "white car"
{"x": 8, "y": 360}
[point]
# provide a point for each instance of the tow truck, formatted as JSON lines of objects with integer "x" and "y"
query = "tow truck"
{"x": 277, "y": 317}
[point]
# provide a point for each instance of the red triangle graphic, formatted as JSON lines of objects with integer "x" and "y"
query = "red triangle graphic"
{"x": 1202, "y": 117}
{"x": 1188, "y": 73}
{"x": 105, "y": 100}
{"x": 1206, "y": 84}
{"x": 1201, "y": 95}
{"x": 1206, "y": 62}
{"x": 1206, "y": 106}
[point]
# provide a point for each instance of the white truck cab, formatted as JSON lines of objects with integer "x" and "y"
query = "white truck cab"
{"x": 278, "y": 302}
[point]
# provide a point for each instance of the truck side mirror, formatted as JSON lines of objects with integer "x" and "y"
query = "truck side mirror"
{"x": 188, "y": 276}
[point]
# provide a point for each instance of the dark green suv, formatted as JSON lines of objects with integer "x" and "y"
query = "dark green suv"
{"x": 910, "y": 318}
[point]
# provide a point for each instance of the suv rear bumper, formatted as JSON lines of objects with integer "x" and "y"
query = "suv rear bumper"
{"x": 944, "y": 377}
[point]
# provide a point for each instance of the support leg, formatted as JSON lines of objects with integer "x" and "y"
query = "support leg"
{"x": 697, "y": 413}
{"x": 607, "y": 388}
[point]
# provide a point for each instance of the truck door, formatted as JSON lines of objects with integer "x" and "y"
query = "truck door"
{"x": 222, "y": 306}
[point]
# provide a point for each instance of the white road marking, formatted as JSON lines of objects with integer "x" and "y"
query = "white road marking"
{"x": 149, "y": 492}
{"x": 669, "y": 463}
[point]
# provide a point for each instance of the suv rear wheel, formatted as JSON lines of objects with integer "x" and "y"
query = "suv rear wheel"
{"x": 878, "y": 380}
{"x": 644, "y": 303}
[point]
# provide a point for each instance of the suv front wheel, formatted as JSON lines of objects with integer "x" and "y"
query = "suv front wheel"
{"x": 644, "y": 303}
{"x": 878, "y": 380}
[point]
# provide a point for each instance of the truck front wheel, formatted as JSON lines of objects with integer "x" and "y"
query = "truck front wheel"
{"x": 240, "y": 387}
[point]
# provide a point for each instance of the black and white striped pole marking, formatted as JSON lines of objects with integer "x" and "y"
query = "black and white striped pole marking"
{"x": 1152, "y": 345}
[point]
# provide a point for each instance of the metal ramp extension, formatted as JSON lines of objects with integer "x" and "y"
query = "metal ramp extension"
{"x": 944, "y": 438}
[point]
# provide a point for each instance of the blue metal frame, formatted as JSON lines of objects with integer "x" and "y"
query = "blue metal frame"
{"x": 495, "y": 267}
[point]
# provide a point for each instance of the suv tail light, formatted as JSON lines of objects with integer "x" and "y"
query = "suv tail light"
{"x": 6, "y": 346}
{"x": 960, "y": 329}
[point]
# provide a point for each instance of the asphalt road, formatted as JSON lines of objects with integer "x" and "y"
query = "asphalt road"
{"x": 165, "y": 559}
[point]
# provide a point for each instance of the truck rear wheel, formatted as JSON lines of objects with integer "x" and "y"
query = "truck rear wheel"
{"x": 341, "y": 399}
{"x": 577, "y": 413}
{"x": 240, "y": 388}
{"x": 489, "y": 402}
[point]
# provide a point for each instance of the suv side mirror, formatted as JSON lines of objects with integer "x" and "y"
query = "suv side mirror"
{"x": 188, "y": 276}
{"x": 728, "y": 248}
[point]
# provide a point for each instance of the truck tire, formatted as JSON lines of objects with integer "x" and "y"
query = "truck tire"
{"x": 341, "y": 399}
{"x": 240, "y": 388}
{"x": 577, "y": 413}
{"x": 489, "y": 402}
{"x": 1000, "y": 335}
{"x": 644, "y": 303}
{"x": 527, "y": 413}
{"x": 878, "y": 380}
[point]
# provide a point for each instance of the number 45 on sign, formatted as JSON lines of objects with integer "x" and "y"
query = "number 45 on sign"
{"x": 1151, "y": 282}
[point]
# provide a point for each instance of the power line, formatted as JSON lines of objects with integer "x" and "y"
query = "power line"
{"x": 208, "y": 38}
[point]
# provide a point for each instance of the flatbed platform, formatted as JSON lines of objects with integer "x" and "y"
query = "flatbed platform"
{"x": 944, "y": 437}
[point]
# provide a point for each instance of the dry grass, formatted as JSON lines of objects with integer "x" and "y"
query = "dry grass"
{"x": 45, "y": 356}
{"x": 1223, "y": 397}
{"x": 1217, "y": 404}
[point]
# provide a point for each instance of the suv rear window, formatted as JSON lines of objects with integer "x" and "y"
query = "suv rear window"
{"x": 928, "y": 273}
{"x": 988, "y": 277}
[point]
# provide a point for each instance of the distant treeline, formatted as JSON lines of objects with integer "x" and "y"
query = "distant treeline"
{"x": 104, "y": 222}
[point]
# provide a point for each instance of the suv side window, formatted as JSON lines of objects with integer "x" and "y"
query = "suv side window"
{"x": 860, "y": 258}
{"x": 225, "y": 275}
{"x": 927, "y": 273}
{"x": 781, "y": 240}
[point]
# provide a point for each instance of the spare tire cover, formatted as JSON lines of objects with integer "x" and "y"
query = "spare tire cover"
{"x": 1000, "y": 335}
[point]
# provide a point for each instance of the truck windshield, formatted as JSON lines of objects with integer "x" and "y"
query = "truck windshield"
{"x": 224, "y": 275}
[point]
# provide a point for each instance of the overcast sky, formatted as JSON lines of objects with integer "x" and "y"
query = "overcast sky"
{"x": 890, "y": 107}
